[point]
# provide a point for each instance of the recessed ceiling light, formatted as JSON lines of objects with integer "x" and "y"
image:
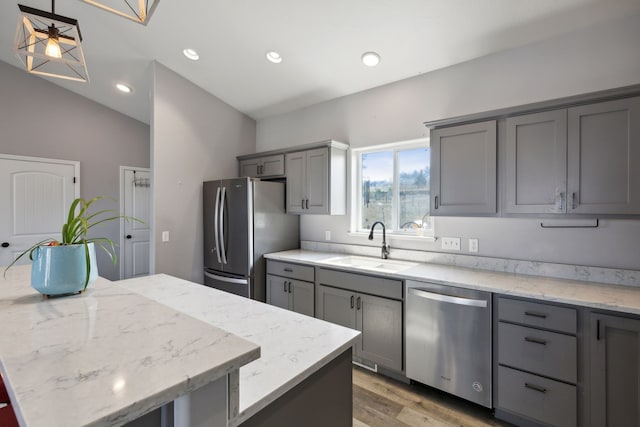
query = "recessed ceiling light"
{"x": 274, "y": 57}
{"x": 123, "y": 88}
{"x": 370, "y": 59}
{"x": 191, "y": 54}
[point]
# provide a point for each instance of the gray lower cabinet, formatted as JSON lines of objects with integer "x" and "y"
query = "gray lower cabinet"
{"x": 581, "y": 160}
{"x": 537, "y": 362}
{"x": 294, "y": 295}
{"x": 615, "y": 371}
{"x": 379, "y": 319}
{"x": 463, "y": 169}
{"x": 291, "y": 286}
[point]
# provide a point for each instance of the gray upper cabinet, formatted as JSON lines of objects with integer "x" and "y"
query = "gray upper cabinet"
{"x": 581, "y": 160}
{"x": 536, "y": 163}
{"x": 317, "y": 180}
{"x": 615, "y": 371}
{"x": 603, "y": 175}
{"x": 463, "y": 169}
{"x": 263, "y": 167}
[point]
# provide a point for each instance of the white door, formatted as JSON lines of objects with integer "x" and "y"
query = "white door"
{"x": 36, "y": 194}
{"x": 135, "y": 202}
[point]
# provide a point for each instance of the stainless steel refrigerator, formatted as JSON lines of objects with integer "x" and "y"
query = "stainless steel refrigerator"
{"x": 244, "y": 218}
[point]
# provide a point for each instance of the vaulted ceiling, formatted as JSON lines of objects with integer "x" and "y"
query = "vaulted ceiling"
{"x": 321, "y": 42}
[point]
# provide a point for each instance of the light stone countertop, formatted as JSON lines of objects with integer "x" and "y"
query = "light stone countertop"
{"x": 105, "y": 357}
{"x": 293, "y": 346}
{"x": 625, "y": 299}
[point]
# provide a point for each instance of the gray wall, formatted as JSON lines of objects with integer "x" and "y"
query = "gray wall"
{"x": 195, "y": 138}
{"x": 597, "y": 58}
{"x": 41, "y": 119}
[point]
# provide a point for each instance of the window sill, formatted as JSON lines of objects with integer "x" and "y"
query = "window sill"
{"x": 396, "y": 236}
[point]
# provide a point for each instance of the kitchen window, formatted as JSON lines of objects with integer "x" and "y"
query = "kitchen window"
{"x": 392, "y": 186}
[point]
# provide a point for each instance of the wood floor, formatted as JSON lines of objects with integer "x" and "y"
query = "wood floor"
{"x": 379, "y": 401}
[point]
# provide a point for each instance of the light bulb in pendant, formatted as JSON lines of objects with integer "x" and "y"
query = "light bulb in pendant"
{"x": 53, "y": 47}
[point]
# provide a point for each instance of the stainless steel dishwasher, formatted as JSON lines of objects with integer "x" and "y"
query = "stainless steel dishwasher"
{"x": 448, "y": 339}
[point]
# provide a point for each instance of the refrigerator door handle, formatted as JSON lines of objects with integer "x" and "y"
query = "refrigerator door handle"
{"x": 223, "y": 250}
{"x": 215, "y": 225}
{"x": 226, "y": 279}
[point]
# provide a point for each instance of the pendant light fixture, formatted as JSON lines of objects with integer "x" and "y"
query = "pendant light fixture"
{"x": 140, "y": 11}
{"x": 50, "y": 44}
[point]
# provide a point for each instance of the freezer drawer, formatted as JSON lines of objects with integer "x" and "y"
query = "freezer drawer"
{"x": 235, "y": 285}
{"x": 448, "y": 339}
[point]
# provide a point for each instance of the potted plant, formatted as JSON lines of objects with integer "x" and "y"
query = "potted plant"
{"x": 68, "y": 265}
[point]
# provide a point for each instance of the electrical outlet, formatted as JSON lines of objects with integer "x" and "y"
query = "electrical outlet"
{"x": 451, "y": 243}
{"x": 473, "y": 245}
{"x": 327, "y": 235}
{"x": 165, "y": 236}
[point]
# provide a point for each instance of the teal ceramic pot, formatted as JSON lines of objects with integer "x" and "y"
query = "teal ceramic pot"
{"x": 59, "y": 270}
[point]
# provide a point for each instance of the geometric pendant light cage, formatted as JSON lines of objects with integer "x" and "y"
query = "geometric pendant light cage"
{"x": 50, "y": 44}
{"x": 139, "y": 11}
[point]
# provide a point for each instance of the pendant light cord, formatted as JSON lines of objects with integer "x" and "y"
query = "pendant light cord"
{"x": 53, "y": 7}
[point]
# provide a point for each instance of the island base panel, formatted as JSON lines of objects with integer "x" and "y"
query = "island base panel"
{"x": 323, "y": 399}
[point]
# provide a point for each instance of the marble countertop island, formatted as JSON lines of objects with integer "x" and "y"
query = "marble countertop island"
{"x": 625, "y": 299}
{"x": 104, "y": 357}
{"x": 293, "y": 346}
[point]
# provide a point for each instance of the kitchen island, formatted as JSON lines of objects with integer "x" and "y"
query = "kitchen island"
{"x": 108, "y": 356}
{"x": 125, "y": 348}
{"x": 303, "y": 376}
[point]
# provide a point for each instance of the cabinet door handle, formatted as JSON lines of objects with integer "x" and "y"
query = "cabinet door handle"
{"x": 598, "y": 330}
{"x": 573, "y": 200}
{"x": 287, "y": 269}
{"x": 436, "y": 203}
{"x": 358, "y": 304}
{"x": 534, "y": 314}
{"x": 352, "y": 301}
{"x": 284, "y": 288}
{"x": 307, "y": 202}
{"x": 302, "y": 204}
{"x": 289, "y": 286}
{"x": 536, "y": 340}
{"x": 562, "y": 202}
{"x": 535, "y": 387}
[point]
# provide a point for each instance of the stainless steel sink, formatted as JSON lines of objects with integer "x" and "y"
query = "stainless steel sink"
{"x": 369, "y": 263}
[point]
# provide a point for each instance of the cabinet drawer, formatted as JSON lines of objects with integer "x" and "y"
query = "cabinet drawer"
{"x": 561, "y": 319}
{"x": 294, "y": 271}
{"x": 542, "y": 352}
{"x": 364, "y": 283}
{"x": 542, "y": 399}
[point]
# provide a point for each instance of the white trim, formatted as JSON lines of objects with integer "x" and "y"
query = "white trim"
{"x": 356, "y": 184}
{"x": 74, "y": 163}
{"x": 121, "y": 232}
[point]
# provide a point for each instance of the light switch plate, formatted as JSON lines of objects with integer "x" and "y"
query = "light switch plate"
{"x": 473, "y": 245}
{"x": 327, "y": 235}
{"x": 165, "y": 236}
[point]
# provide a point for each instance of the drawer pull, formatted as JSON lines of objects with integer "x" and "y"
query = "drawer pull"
{"x": 534, "y": 314}
{"x": 288, "y": 270}
{"x": 535, "y": 388}
{"x": 536, "y": 340}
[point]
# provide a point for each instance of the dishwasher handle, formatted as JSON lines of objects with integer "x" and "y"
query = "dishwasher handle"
{"x": 471, "y": 302}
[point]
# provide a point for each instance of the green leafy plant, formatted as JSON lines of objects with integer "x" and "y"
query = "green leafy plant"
{"x": 74, "y": 232}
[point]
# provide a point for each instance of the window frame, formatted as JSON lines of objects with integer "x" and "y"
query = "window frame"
{"x": 357, "y": 186}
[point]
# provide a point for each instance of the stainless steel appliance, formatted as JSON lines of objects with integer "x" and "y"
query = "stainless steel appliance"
{"x": 244, "y": 218}
{"x": 448, "y": 339}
